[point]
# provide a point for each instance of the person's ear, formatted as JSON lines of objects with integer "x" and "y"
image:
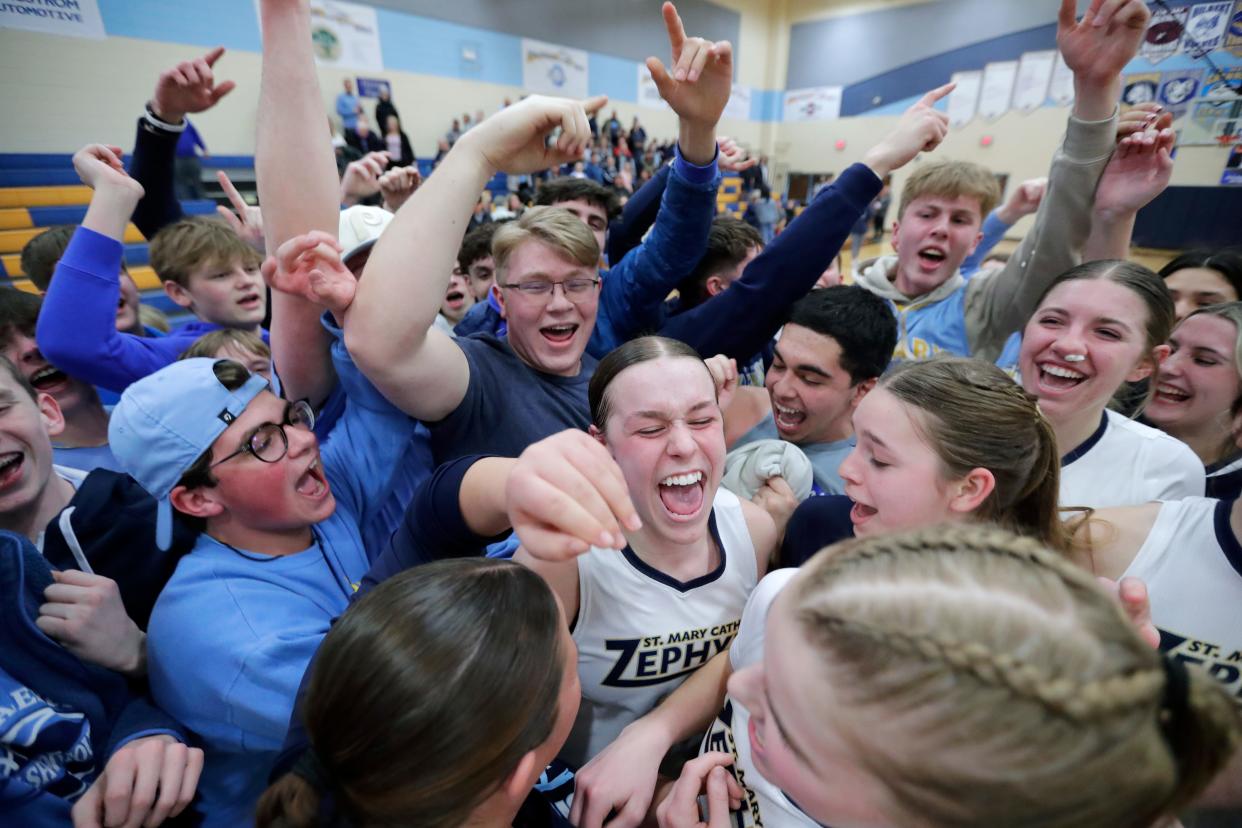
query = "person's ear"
{"x": 1149, "y": 363}
{"x": 968, "y": 493}
{"x": 861, "y": 390}
{"x": 199, "y": 502}
{"x": 714, "y": 285}
{"x": 594, "y": 431}
{"x": 896, "y": 230}
{"x": 517, "y": 784}
{"x": 178, "y": 294}
{"x": 499, "y": 296}
{"x": 49, "y": 411}
{"x": 975, "y": 243}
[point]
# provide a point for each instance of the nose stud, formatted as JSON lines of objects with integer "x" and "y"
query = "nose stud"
{"x": 1075, "y": 357}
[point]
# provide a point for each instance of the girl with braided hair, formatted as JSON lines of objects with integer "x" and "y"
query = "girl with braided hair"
{"x": 953, "y": 676}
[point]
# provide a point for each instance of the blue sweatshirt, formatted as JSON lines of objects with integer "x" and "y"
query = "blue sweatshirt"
{"x": 631, "y": 300}
{"x": 77, "y": 324}
{"x": 60, "y": 718}
{"x": 741, "y": 321}
{"x": 233, "y": 680}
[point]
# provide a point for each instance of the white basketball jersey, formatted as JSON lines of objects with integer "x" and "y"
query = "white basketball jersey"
{"x": 640, "y": 632}
{"x": 1127, "y": 463}
{"x": 1192, "y": 565}
{"x": 764, "y": 805}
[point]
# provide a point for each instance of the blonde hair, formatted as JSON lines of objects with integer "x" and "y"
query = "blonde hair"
{"x": 985, "y": 680}
{"x": 951, "y": 179}
{"x": 554, "y": 226}
{"x": 954, "y": 396}
{"x": 209, "y": 344}
{"x": 187, "y": 245}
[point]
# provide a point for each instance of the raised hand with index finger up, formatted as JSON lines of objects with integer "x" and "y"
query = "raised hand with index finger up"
{"x": 189, "y": 86}
{"x": 697, "y": 87}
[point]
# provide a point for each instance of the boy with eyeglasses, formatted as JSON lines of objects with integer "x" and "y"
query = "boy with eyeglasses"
{"x": 279, "y": 554}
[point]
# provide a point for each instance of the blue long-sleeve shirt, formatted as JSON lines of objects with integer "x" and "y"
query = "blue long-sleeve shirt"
{"x": 639, "y": 214}
{"x": 740, "y": 321}
{"x": 993, "y": 231}
{"x": 77, "y": 324}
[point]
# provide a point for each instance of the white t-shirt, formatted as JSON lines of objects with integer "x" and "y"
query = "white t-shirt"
{"x": 1126, "y": 463}
{"x": 1192, "y": 565}
{"x": 764, "y": 804}
{"x": 640, "y": 633}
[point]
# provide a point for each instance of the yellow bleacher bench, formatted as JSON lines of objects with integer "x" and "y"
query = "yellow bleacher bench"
{"x": 44, "y": 196}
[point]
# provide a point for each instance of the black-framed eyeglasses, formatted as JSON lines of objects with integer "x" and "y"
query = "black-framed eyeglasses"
{"x": 269, "y": 442}
{"x": 574, "y": 289}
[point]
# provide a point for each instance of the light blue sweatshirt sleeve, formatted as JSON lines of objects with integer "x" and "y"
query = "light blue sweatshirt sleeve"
{"x": 993, "y": 231}
{"x": 368, "y": 441}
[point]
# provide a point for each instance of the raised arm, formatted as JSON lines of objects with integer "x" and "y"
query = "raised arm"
{"x": 298, "y": 188}
{"x": 696, "y": 88}
{"x": 77, "y": 324}
{"x": 639, "y": 214}
{"x": 1096, "y": 48}
{"x": 1138, "y": 172}
{"x": 189, "y": 87}
{"x": 1023, "y": 201}
{"x": 741, "y": 320}
{"x": 388, "y": 326}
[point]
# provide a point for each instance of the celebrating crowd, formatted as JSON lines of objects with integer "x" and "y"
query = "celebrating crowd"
{"x": 451, "y": 510}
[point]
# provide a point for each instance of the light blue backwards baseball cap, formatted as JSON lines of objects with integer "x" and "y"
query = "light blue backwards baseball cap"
{"x": 167, "y": 420}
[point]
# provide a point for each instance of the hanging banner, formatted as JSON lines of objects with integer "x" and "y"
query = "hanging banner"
{"x": 1222, "y": 86}
{"x": 1206, "y": 27}
{"x": 345, "y": 36}
{"x": 548, "y": 69}
{"x": 997, "y": 89}
{"x": 1061, "y": 87}
{"x": 1233, "y": 168}
{"x": 1164, "y": 33}
{"x": 1178, "y": 89}
{"x": 1139, "y": 89}
{"x": 1211, "y": 123}
{"x": 648, "y": 93}
{"x": 816, "y": 103}
{"x": 964, "y": 97}
{"x": 1233, "y": 37}
{"x": 71, "y": 18}
{"x": 739, "y": 103}
{"x": 1030, "y": 88}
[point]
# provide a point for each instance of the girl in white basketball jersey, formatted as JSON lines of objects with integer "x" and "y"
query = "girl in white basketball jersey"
{"x": 1100, "y": 325}
{"x": 646, "y": 617}
{"x": 1197, "y": 388}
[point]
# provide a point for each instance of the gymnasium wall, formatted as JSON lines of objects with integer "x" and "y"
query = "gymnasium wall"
{"x": 61, "y": 91}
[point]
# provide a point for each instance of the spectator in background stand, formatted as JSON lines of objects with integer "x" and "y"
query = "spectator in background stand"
{"x": 451, "y": 136}
{"x": 638, "y": 142}
{"x": 767, "y": 214}
{"x": 348, "y": 107}
{"x": 361, "y": 138}
{"x": 400, "y": 152}
{"x": 384, "y": 108}
{"x": 466, "y": 123}
{"x": 612, "y": 128}
{"x": 189, "y": 169}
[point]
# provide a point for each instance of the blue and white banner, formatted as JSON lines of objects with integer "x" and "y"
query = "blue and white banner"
{"x": 1164, "y": 33}
{"x": 1206, "y": 28}
{"x": 549, "y": 69}
{"x": 72, "y": 18}
{"x": 815, "y": 103}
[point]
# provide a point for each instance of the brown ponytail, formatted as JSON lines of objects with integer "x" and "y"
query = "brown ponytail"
{"x": 290, "y": 802}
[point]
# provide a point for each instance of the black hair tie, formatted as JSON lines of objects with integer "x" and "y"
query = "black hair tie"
{"x": 311, "y": 769}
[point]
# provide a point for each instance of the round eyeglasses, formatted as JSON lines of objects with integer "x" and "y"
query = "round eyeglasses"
{"x": 269, "y": 442}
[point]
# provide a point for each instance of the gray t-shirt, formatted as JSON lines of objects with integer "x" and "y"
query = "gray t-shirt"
{"x": 825, "y": 457}
{"x": 509, "y": 405}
